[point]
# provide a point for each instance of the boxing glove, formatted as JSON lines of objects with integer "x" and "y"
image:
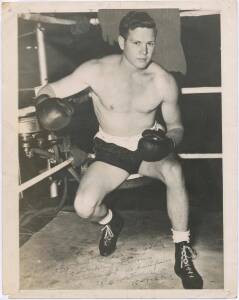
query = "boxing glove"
{"x": 53, "y": 113}
{"x": 41, "y": 99}
{"x": 154, "y": 145}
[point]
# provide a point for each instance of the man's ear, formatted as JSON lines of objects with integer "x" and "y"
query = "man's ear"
{"x": 121, "y": 42}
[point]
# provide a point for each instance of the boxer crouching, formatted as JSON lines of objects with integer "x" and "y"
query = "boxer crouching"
{"x": 126, "y": 91}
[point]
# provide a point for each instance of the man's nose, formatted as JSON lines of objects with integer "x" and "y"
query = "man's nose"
{"x": 144, "y": 49}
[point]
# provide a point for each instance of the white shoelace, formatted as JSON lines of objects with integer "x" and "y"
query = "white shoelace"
{"x": 108, "y": 232}
{"x": 185, "y": 257}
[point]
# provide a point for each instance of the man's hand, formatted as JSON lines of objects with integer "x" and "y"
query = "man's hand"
{"x": 155, "y": 145}
{"x": 53, "y": 113}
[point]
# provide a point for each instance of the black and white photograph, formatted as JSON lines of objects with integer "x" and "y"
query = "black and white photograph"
{"x": 152, "y": 83}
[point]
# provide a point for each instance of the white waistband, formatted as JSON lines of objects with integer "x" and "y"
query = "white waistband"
{"x": 128, "y": 142}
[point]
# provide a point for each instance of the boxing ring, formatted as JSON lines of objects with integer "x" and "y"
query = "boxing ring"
{"x": 41, "y": 19}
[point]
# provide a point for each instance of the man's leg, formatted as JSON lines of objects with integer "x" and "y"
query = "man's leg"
{"x": 98, "y": 181}
{"x": 169, "y": 171}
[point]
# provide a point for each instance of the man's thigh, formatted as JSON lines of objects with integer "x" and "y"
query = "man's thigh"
{"x": 103, "y": 177}
{"x": 157, "y": 169}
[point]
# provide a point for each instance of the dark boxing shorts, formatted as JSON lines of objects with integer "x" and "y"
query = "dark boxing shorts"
{"x": 119, "y": 151}
{"x": 117, "y": 156}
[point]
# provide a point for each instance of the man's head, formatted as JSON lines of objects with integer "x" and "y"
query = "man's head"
{"x": 135, "y": 19}
{"x": 137, "y": 38}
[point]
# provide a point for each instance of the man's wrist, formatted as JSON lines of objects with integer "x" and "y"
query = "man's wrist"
{"x": 176, "y": 135}
{"x": 173, "y": 143}
{"x": 41, "y": 98}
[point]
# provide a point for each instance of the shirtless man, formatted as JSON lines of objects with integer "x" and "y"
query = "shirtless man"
{"x": 126, "y": 90}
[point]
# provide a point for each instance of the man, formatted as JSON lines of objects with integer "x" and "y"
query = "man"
{"x": 126, "y": 90}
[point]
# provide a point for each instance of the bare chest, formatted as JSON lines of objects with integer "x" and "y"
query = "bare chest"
{"x": 127, "y": 95}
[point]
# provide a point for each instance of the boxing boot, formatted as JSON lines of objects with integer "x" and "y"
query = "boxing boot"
{"x": 110, "y": 234}
{"x": 184, "y": 268}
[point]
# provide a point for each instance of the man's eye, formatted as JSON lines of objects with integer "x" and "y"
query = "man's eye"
{"x": 151, "y": 44}
{"x": 137, "y": 43}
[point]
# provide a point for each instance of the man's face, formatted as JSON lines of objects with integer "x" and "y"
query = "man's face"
{"x": 139, "y": 46}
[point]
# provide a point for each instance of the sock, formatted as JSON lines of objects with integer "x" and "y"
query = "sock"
{"x": 107, "y": 218}
{"x": 180, "y": 236}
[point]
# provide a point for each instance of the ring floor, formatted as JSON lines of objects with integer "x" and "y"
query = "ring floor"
{"x": 64, "y": 254}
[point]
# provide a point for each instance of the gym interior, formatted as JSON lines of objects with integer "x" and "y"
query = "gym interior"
{"x": 59, "y": 250}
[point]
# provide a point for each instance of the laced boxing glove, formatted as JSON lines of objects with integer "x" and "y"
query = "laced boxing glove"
{"x": 155, "y": 145}
{"x": 53, "y": 113}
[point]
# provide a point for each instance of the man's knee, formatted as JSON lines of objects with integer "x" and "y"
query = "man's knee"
{"x": 85, "y": 203}
{"x": 172, "y": 172}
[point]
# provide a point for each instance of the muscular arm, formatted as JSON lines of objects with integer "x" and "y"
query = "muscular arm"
{"x": 72, "y": 84}
{"x": 171, "y": 111}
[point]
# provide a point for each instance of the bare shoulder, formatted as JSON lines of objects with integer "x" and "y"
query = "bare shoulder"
{"x": 88, "y": 68}
{"x": 110, "y": 59}
{"x": 95, "y": 67}
{"x": 109, "y": 63}
{"x": 165, "y": 83}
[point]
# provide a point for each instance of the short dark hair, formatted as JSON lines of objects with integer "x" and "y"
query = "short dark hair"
{"x": 135, "y": 19}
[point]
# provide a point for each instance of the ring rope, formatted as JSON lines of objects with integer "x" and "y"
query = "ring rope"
{"x": 44, "y": 175}
{"x": 67, "y": 162}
